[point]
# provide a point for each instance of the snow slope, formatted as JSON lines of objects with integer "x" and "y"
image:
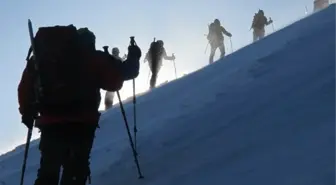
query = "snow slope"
{"x": 263, "y": 115}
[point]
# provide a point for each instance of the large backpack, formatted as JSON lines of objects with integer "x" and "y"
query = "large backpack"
{"x": 65, "y": 87}
{"x": 214, "y": 33}
{"x": 155, "y": 51}
{"x": 258, "y": 21}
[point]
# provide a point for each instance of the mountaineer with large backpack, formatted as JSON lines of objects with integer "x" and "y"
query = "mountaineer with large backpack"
{"x": 154, "y": 56}
{"x": 70, "y": 73}
{"x": 258, "y": 25}
{"x": 216, "y": 39}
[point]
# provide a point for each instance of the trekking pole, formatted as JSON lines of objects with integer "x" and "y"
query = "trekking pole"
{"x": 175, "y": 68}
{"x": 231, "y": 45}
{"x": 29, "y": 135}
{"x": 272, "y": 24}
{"x": 132, "y": 43}
{"x": 206, "y": 48}
{"x": 149, "y": 72}
{"x": 127, "y": 128}
{"x": 134, "y": 115}
{"x": 130, "y": 137}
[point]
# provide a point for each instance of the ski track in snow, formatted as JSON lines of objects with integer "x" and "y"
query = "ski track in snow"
{"x": 263, "y": 115}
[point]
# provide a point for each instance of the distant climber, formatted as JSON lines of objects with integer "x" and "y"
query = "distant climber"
{"x": 258, "y": 25}
{"x": 154, "y": 56}
{"x": 109, "y": 95}
{"x": 216, "y": 39}
{"x": 115, "y": 53}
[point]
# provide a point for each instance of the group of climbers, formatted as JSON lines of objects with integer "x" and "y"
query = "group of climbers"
{"x": 216, "y": 31}
{"x": 157, "y": 52}
{"x": 59, "y": 91}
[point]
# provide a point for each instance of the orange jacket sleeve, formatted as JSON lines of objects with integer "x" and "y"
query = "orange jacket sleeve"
{"x": 26, "y": 90}
{"x": 108, "y": 71}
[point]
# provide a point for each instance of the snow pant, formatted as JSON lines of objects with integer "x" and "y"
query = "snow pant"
{"x": 258, "y": 33}
{"x": 155, "y": 67}
{"x": 213, "y": 47}
{"x": 65, "y": 145}
{"x": 108, "y": 100}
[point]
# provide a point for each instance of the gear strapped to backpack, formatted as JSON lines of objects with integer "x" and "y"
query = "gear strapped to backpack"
{"x": 61, "y": 69}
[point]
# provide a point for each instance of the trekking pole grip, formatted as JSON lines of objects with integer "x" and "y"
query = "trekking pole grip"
{"x": 132, "y": 41}
{"x": 105, "y": 49}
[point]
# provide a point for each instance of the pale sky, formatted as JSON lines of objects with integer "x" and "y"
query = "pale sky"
{"x": 181, "y": 24}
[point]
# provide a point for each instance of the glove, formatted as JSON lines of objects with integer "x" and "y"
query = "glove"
{"x": 229, "y": 34}
{"x": 134, "y": 52}
{"x": 173, "y": 57}
{"x": 28, "y": 121}
{"x": 29, "y": 114}
{"x": 131, "y": 66}
{"x": 124, "y": 57}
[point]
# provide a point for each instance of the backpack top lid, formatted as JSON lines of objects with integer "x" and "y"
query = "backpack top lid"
{"x": 57, "y": 35}
{"x": 56, "y": 43}
{"x": 156, "y": 45}
{"x": 52, "y": 38}
{"x": 217, "y": 22}
{"x": 261, "y": 12}
{"x": 87, "y": 37}
{"x": 86, "y": 33}
{"x": 160, "y": 43}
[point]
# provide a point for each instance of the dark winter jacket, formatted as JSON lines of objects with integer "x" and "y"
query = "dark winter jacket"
{"x": 100, "y": 73}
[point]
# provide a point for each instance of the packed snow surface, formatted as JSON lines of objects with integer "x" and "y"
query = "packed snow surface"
{"x": 263, "y": 115}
